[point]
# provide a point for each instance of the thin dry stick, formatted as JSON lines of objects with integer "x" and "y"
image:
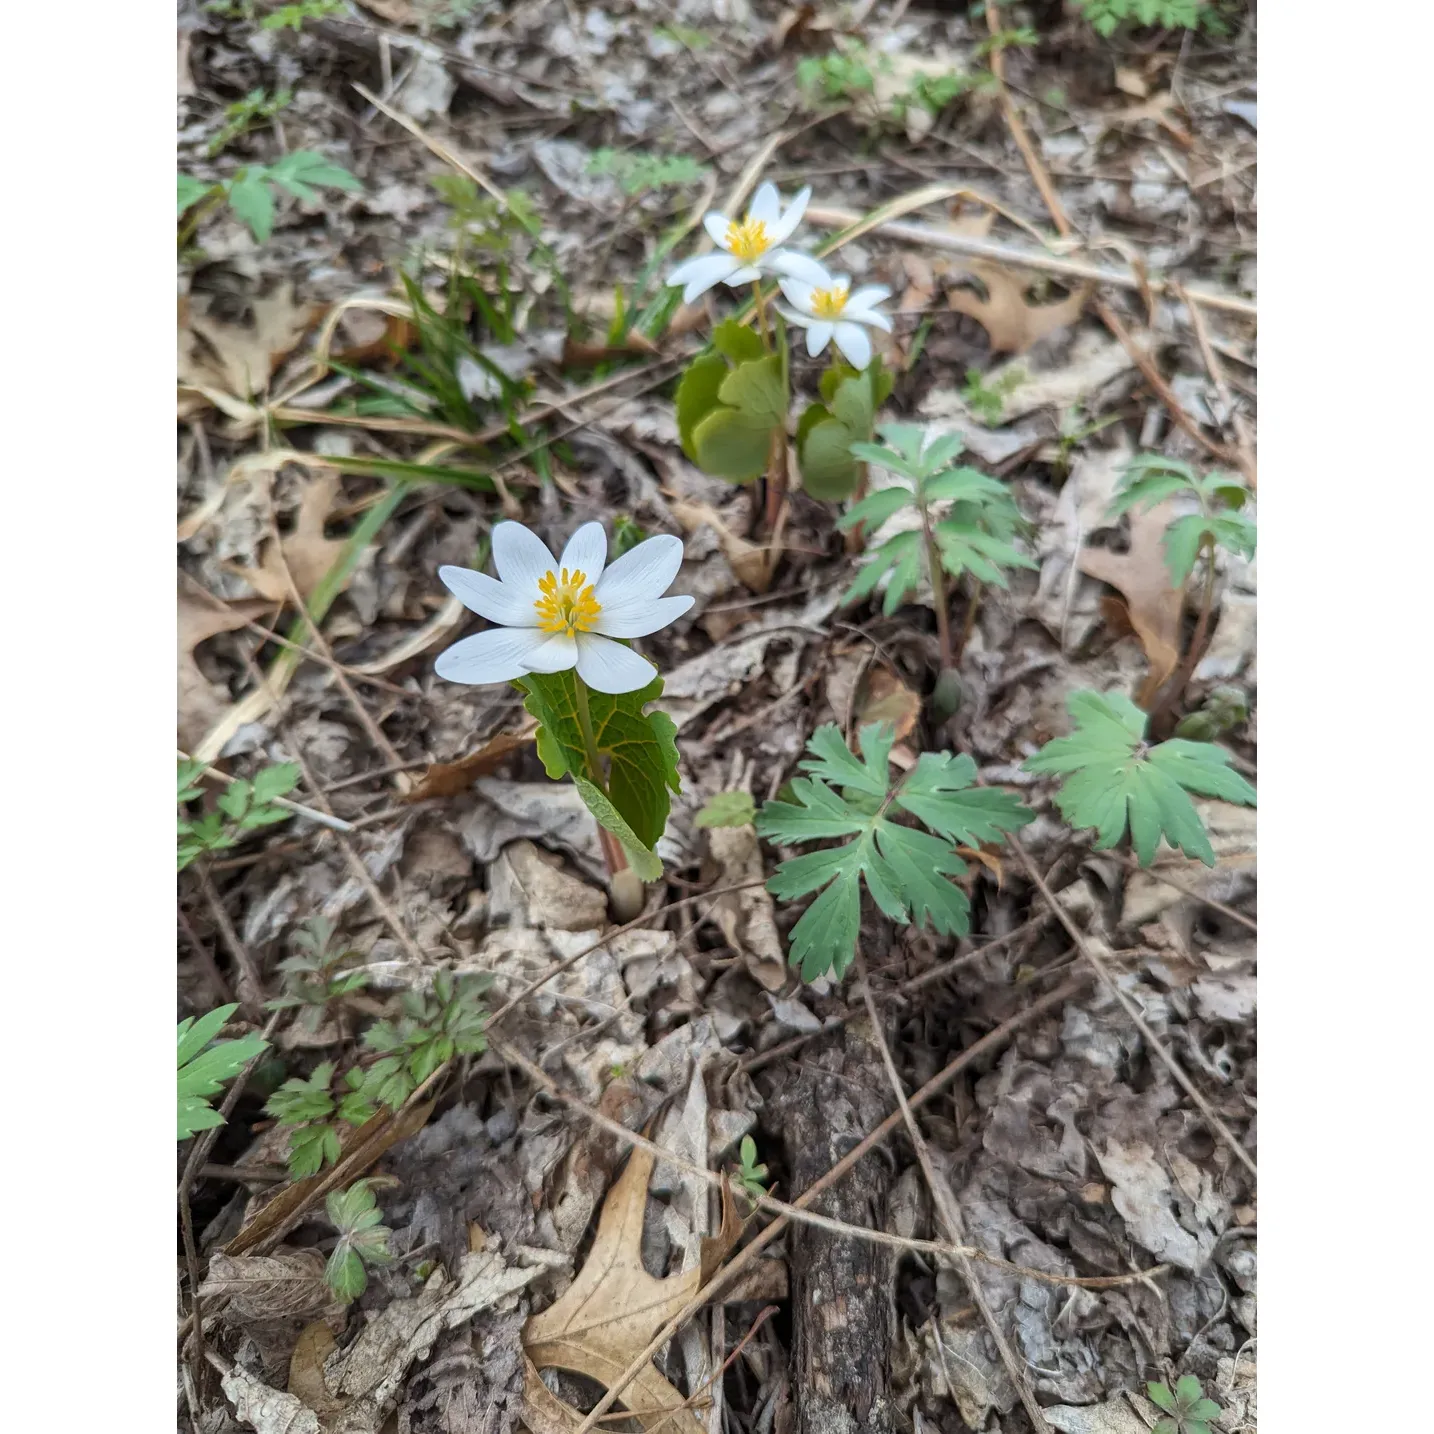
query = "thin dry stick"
{"x": 947, "y": 1213}
{"x": 1143, "y": 361}
{"x": 1132, "y": 1010}
{"x": 324, "y": 819}
{"x": 1188, "y": 890}
{"x": 269, "y": 635}
{"x": 249, "y": 976}
{"x": 633, "y": 925}
{"x": 716, "y": 1374}
{"x": 989, "y": 1042}
{"x": 541, "y": 1078}
{"x": 1216, "y": 370}
{"x": 206, "y": 959}
{"x": 996, "y": 253}
{"x": 380, "y": 902}
{"x": 376, "y": 735}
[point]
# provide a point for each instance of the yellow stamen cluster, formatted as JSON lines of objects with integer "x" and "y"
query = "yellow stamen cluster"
{"x": 748, "y": 241}
{"x": 568, "y": 604}
{"x": 829, "y": 303}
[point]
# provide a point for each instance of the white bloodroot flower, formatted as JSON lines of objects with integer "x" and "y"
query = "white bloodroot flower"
{"x": 828, "y": 310}
{"x": 749, "y": 249}
{"x": 560, "y": 614}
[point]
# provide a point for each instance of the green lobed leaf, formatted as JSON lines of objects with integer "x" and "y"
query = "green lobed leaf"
{"x": 276, "y": 781}
{"x": 940, "y": 792}
{"x": 737, "y": 341}
{"x": 1160, "y": 1395}
{"x": 345, "y": 1273}
{"x": 1113, "y": 781}
{"x": 824, "y": 456}
{"x": 191, "y": 191}
{"x": 645, "y": 862}
{"x": 727, "y": 445}
{"x": 697, "y": 396}
{"x": 311, "y": 1147}
{"x": 195, "y": 1114}
{"x": 756, "y": 387}
{"x": 640, "y": 748}
{"x": 253, "y": 201}
{"x": 195, "y": 1032}
{"x": 298, "y": 170}
{"x": 967, "y": 548}
{"x": 727, "y": 809}
{"x": 876, "y": 508}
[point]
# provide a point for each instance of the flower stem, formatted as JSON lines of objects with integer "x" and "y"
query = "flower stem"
{"x": 972, "y": 609}
{"x": 938, "y": 589}
{"x": 762, "y": 314}
{"x": 612, "y": 850}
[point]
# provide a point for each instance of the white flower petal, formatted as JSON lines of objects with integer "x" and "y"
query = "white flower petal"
{"x": 638, "y": 619}
{"x": 642, "y": 574}
{"x": 876, "y": 319}
{"x": 716, "y": 224}
{"x": 608, "y": 666}
{"x": 701, "y": 273}
{"x": 767, "y": 206}
{"x": 498, "y": 655}
{"x": 851, "y": 339}
{"x": 586, "y": 552}
{"x": 865, "y": 297}
{"x": 789, "y": 221}
{"x": 799, "y": 293}
{"x": 803, "y": 321}
{"x": 819, "y": 335}
{"x": 557, "y": 654}
{"x": 522, "y": 559}
{"x": 738, "y": 277}
{"x": 799, "y": 266}
{"x": 488, "y": 597}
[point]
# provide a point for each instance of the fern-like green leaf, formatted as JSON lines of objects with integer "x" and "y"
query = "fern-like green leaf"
{"x": 1113, "y": 780}
{"x": 906, "y": 870}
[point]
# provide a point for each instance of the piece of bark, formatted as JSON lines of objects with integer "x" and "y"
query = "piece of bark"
{"x": 843, "y": 1290}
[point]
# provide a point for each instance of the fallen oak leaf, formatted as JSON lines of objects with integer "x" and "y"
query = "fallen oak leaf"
{"x": 307, "y": 551}
{"x": 220, "y": 358}
{"x": 1013, "y": 323}
{"x": 283, "y": 1285}
{"x": 200, "y": 618}
{"x": 612, "y": 1309}
{"x": 1142, "y": 577}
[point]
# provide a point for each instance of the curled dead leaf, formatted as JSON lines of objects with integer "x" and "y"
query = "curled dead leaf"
{"x": 888, "y": 699}
{"x": 1141, "y": 576}
{"x": 752, "y": 565}
{"x": 307, "y": 552}
{"x": 223, "y": 358}
{"x": 200, "y": 618}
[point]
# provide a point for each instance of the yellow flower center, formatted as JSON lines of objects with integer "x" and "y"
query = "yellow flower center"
{"x": 568, "y": 604}
{"x": 828, "y": 303}
{"x": 748, "y": 240}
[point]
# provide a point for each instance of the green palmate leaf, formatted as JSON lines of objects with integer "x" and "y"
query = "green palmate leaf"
{"x": 645, "y": 862}
{"x": 824, "y": 455}
{"x": 876, "y": 508}
{"x": 756, "y": 387}
{"x": 737, "y": 341}
{"x": 967, "y": 548}
{"x": 727, "y": 809}
{"x": 1161, "y": 1396}
{"x": 1113, "y": 779}
{"x": 727, "y": 445}
{"x": 252, "y": 200}
{"x": 191, "y": 191}
{"x": 276, "y": 781}
{"x": 697, "y": 396}
{"x": 906, "y": 870}
{"x": 345, "y": 1273}
{"x": 312, "y": 1147}
{"x": 302, "y": 168}
{"x": 640, "y": 748}
{"x": 299, "y": 1100}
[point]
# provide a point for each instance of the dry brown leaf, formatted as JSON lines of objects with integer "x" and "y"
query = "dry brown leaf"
{"x": 752, "y": 565}
{"x": 376, "y": 336}
{"x": 285, "y": 1285}
{"x": 306, "y": 551}
{"x": 222, "y": 360}
{"x": 889, "y": 699}
{"x": 450, "y": 779}
{"x": 612, "y": 1309}
{"x": 1012, "y": 321}
{"x": 747, "y": 918}
{"x": 361, "y": 1149}
{"x": 1142, "y": 578}
{"x": 306, "y": 1369}
{"x": 202, "y": 617}
{"x": 579, "y": 355}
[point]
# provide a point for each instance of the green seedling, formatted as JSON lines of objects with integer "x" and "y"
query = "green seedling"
{"x": 363, "y": 1240}
{"x": 240, "y": 808}
{"x": 204, "y": 1067}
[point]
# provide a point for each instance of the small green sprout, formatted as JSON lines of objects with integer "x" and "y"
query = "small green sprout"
{"x": 316, "y": 978}
{"x": 241, "y": 807}
{"x": 751, "y": 1176}
{"x": 363, "y": 1240}
{"x": 1187, "y": 1411}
